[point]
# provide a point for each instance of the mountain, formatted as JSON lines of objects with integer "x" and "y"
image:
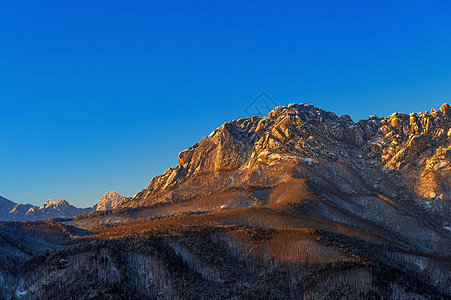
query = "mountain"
{"x": 398, "y": 166}
{"x": 10, "y": 211}
{"x": 414, "y": 147}
{"x": 5, "y": 207}
{"x": 56, "y": 209}
{"x": 109, "y": 201}
{"x": 28, "y": 212}
{"x": 301, "y": 204}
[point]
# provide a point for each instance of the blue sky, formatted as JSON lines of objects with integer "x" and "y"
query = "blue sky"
{"x": 103, "y": 95}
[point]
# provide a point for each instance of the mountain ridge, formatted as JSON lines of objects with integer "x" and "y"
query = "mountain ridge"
{"x": 301, "y": 204}
{"x": 10, "y": 211}
{"x": 413, "y": 147}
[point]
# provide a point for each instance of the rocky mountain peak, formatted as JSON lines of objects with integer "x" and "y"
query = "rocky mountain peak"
{"x": 109, "y": 201}
{"x": 296, "y": 128}
{"x": 411, "y": 151}
{"x": 57, "y": 203}
{"x": 27, "y": 212}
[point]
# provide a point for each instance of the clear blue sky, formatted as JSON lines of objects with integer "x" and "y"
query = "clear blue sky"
{"x": 103, "y": 95}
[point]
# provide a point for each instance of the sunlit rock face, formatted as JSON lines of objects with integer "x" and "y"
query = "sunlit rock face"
{"x": 109, "y": 201}
{"x": 390, "y": 170}
{"x": 408, "y": 151}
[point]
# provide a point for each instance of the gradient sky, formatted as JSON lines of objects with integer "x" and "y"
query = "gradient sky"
{"x": 103, "y": 95}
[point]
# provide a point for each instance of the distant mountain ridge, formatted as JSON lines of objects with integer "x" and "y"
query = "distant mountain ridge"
{"x": 10, "y": 211}
{"x": 48, "y": 210}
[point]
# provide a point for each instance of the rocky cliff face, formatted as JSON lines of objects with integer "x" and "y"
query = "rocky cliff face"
{"x": 392, "y": 171}
{"x": 414, "y": 148}
{"x": 110, "y": 200}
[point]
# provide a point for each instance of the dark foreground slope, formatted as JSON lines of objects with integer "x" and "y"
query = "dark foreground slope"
{"x": 299, "y": 204}
{"x": 162, "y": 259}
